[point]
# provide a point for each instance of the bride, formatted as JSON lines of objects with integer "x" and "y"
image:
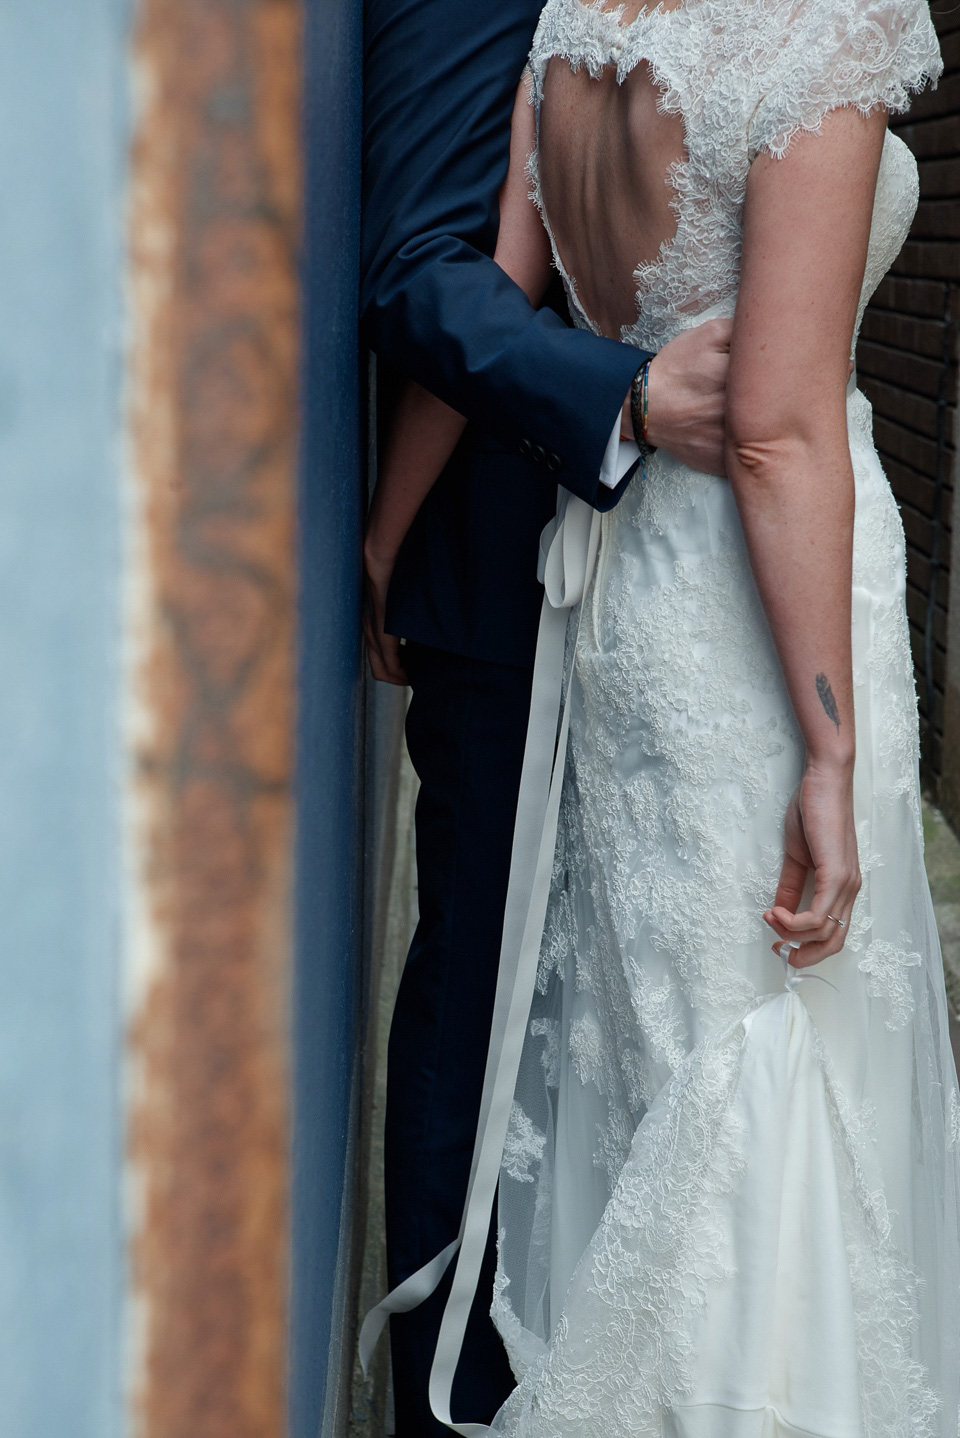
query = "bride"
{"x": 729, "y": 1188}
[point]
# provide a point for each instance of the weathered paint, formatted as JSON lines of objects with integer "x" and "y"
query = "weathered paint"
{"x": 330, "y": 852}
{"x": 214, "y": 307}
{"x": 63, "y": 145}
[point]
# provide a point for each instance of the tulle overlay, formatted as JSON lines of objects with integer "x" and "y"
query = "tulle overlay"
{"x": 720, "y": 1201}
{"x": 730, "y": 1208}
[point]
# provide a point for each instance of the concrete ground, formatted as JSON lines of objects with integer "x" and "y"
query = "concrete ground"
{"x": 943, "y": 871}
{"x": 942, "y": 850}
{"x": 371, "y": 1405}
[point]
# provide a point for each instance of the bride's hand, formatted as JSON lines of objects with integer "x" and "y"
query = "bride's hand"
{"x": 688, "y": 394}
{"x": 819, "y": 834}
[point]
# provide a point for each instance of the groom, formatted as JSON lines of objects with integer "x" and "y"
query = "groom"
{"x": 542, "y": 400}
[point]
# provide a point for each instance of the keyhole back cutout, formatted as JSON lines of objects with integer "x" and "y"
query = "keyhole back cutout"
{"x": 606, "y": 155}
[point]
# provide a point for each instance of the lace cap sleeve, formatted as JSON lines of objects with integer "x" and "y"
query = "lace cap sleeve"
{"x": 863, "y": 53}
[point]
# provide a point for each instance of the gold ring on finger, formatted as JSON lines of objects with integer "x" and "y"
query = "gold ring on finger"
{"x": 841, "y": 922}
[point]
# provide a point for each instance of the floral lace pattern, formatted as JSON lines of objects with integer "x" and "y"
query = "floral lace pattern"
{"x": 953, "y": 1120}
{"x": 689, "y": 1146}
{"x": 683, "y": 754}
{"x": 804, "y": 57}
{"x": 523, "y": 1147}
{"x": 895, "y": 1391}
{"x": 886, "y": 965}
{"x": 619, "y": 1364}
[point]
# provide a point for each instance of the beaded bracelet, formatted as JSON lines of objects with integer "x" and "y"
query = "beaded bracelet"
{"x": 640, "y": 410}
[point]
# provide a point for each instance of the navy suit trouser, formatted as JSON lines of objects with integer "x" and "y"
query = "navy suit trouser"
{"x": 466, "y": 728}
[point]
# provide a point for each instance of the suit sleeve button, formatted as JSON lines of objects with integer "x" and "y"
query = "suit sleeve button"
{"x": 539, "y": 454}
{"x": 553, "y": 463}
{"x": 524, "y": 448}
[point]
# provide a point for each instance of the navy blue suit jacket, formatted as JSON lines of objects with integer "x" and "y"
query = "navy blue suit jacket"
{"x": 440, "y": 79}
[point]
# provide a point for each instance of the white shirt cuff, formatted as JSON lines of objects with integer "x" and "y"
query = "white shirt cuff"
{"x": 619, "y": 456}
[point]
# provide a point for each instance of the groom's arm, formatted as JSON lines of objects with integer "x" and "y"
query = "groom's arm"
{"x": 440, "y": 82}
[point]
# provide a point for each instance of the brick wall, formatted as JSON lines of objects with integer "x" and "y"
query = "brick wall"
{"x": 907, "y": 362}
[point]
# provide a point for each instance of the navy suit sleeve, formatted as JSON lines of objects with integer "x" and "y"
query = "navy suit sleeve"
{"x": 440, "y": 79}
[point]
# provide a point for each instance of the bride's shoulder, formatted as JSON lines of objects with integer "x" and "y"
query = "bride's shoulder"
{"x": 582, "y": 31}
{"x": 871, "y": 33}
{"x": 787, "y": 61}
{"x": 817, "y": 55}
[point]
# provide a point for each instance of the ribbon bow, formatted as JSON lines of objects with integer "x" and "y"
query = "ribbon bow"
{"x": 795, "y": 977}
{"x": 567, "y": 555}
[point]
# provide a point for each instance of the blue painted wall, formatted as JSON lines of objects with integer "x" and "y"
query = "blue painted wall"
{"x": 329, "y": 863}
{"x": 62, "y": 158}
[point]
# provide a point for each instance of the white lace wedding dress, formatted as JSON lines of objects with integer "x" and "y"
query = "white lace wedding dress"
{"x": 730, "y": 1208}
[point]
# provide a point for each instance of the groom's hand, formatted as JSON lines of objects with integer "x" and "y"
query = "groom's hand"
{"x": 687, "y": 396}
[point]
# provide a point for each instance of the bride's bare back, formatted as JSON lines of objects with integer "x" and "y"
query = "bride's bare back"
{"x": 605, "y": 156}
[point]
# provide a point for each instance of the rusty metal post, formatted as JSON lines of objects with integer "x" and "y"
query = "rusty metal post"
{"x": 214, "y": 310}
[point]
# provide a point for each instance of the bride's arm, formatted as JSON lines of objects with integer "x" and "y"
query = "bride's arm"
{"x": 806, "y": 230}
{"x": 424, "y": 431}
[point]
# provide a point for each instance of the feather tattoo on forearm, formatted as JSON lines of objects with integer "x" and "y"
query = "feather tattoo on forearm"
{"x": 827, "y": 699}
